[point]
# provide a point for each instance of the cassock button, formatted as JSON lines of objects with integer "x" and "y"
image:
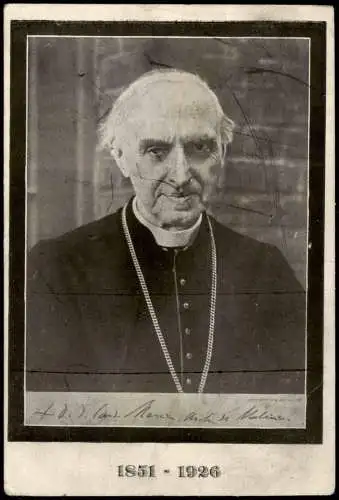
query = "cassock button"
{"x": 182, "y": 281}
{"x": 186, "y": 305}
{"x": 188, "y": 355}
{"x": 188, "y": 331}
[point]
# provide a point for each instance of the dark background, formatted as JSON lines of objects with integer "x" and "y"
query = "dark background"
{"x": 262, "y": 84}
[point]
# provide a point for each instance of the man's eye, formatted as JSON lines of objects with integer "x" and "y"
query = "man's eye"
{"x": 156, "y": 152}
{"x": 200, "y": 148}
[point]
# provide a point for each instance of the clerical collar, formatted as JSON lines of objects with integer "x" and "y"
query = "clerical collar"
{"x": 165, "y": 238}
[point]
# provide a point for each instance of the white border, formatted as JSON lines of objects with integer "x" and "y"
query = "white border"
{"x": 307, "y": 215}
{"x": 144, "y": 37}
{"x": 169, "y": 12}
{"x": 49, "y": 468}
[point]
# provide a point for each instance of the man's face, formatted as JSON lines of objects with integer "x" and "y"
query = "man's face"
{"x": 172, "y": 152}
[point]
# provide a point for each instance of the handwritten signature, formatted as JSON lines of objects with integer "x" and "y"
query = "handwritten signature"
{"x": 103, "y": 413}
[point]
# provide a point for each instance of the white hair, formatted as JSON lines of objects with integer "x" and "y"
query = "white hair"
{"x": 117, "y": 117}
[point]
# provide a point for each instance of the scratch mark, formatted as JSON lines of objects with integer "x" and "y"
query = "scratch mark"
{"x": 253, "y": 71}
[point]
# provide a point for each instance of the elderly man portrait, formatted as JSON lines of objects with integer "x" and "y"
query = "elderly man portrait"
{"x": 159, "y": 296}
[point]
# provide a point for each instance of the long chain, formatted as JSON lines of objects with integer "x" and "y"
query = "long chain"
{"x": 153, "y": 315}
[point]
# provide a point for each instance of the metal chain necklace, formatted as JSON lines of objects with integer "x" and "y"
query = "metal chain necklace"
{"x": 153, "y": 315}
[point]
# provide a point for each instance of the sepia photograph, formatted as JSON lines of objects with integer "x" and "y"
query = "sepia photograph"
{"x": 167, "y": 215}
{"x": 169, "y": 261}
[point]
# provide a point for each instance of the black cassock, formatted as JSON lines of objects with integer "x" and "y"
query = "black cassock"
{"x": 89, "y": 329}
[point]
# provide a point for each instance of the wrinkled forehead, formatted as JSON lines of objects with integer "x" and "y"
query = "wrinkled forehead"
{"x": 168, "y": 108}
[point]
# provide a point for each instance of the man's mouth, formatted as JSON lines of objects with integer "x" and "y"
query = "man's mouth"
{"x": 180, "y": 196}
{"x": 181, "y": 201}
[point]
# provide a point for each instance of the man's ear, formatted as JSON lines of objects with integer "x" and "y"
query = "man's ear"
{"x": 119, "y": 158}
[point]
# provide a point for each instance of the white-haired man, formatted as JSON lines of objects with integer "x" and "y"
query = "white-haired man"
{"x": 160, "y": 297}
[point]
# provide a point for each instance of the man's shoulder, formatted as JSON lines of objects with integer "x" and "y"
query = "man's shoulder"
{"x": 84, "y": 240}
{"x": 236, "y": 242}
{"x": 253, "y": 261}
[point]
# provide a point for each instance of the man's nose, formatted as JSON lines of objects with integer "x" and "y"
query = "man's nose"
{"x": 179, "y": 173}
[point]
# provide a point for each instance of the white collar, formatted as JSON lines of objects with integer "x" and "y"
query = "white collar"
{"x": 165, "y": 238}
